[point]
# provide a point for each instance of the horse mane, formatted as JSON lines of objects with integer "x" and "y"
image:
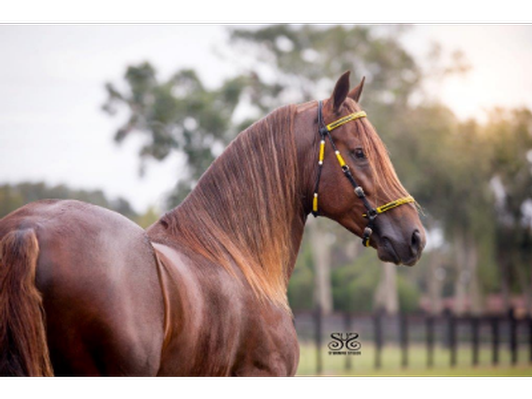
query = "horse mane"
{"x": 242, "y": 209}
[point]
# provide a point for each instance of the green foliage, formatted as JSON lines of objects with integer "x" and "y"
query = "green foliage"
{"x": 408, "y": 294}
{"x": 354, "y": 284}
{"x": 178, "y": 114}
{"x": 311, "y": 56}
{"x": 15, "y": 196}
{"x": 301, "y": 285}
{"x": 509, "y": 137}
{"x": 148, "y": 218}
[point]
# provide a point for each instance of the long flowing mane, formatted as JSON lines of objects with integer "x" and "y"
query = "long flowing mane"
{"x": 241, "y": 211}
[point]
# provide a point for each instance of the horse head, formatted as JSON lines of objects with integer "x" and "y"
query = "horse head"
{"x": 350, "y": 179}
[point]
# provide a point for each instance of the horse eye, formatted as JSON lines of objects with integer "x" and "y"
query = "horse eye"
{"x": 358, "y": 153}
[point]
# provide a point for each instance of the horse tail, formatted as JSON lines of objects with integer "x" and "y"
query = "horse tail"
{"x": 23, "y": 346}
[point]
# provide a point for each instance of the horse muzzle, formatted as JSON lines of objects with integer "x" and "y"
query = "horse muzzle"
{"x": 402, "y": 250}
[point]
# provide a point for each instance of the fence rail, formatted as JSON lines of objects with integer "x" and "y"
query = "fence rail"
{"x": 496, "y": 332}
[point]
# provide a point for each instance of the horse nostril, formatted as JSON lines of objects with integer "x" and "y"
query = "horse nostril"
{"x": 415, "y": 243}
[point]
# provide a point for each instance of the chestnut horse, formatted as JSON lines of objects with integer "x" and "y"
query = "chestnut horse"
{"x": 85, "y": 291}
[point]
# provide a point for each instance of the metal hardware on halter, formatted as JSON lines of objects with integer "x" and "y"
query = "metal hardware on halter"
{"x": 371, "y": 213}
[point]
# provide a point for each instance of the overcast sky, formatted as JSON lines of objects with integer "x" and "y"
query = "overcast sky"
{"x": 52, "y": 87}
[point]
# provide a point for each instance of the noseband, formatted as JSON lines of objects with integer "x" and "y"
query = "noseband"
{"x": 371, "y": 213}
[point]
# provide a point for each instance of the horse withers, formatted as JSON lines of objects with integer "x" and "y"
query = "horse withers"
{"x": 84, "y": 291}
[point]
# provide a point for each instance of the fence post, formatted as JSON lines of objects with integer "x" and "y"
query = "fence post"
{"x": 429, "y": 328}
{"x": 513, "y": 335}
{"x": 403, "y": 336}
{"x": 495, "y": 340}
{"x": 475, "y": 337}
{"x": 318, "y": 329}
{"x": 377, "y": 327}
{"x": 529, "y": 338}
{"x": 451, "y": 327}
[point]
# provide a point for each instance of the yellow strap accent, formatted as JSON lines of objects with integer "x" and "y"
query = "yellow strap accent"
{"x": 340, "y": 159}
{"x": 393, "y": 204}
{"x": 315, "y": 203}
{"x": 345, "y": 119}
{"x": 322, "y": 150}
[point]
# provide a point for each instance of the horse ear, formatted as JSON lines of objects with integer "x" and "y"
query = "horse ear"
{"x": 357, "y": 91}
{"x": 340, "y": 91}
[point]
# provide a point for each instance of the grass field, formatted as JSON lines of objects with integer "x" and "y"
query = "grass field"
{"x": 363, "y": 364}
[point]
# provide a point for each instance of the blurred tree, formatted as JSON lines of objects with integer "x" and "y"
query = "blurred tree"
{"x": 178, "y": 114}
{"x": 408, "y": 295}
{"x": 148, "y": 218}
{"x": 385, "y": 298}
{"x": 10, "y": 199}
{"x": 304, "y": 62}
{"x": 509, "y": 138}
{"x": 354, "y": 284}
{"x": 453, "y": 187}
{"x": 301, "y": 284}
{"x": 15, "y": 196}
{"x": 321, "y": 243}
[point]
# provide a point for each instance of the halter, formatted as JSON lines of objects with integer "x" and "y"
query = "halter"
{"x": 371, "y": 213}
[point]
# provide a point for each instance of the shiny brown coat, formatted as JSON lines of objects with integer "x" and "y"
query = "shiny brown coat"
{"x": 84, "y": 291}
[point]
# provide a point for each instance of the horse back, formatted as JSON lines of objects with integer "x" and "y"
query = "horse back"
{"x": 98, "y": 276}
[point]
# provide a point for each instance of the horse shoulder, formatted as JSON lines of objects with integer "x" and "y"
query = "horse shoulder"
{"x": 203, "y": 317}
{"x": 215, "y": 325}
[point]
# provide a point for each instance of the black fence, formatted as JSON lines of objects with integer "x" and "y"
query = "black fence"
{"x": 496, "y": 332}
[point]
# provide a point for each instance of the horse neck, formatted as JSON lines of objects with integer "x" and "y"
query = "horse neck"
{"x": 246, "y": 210}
